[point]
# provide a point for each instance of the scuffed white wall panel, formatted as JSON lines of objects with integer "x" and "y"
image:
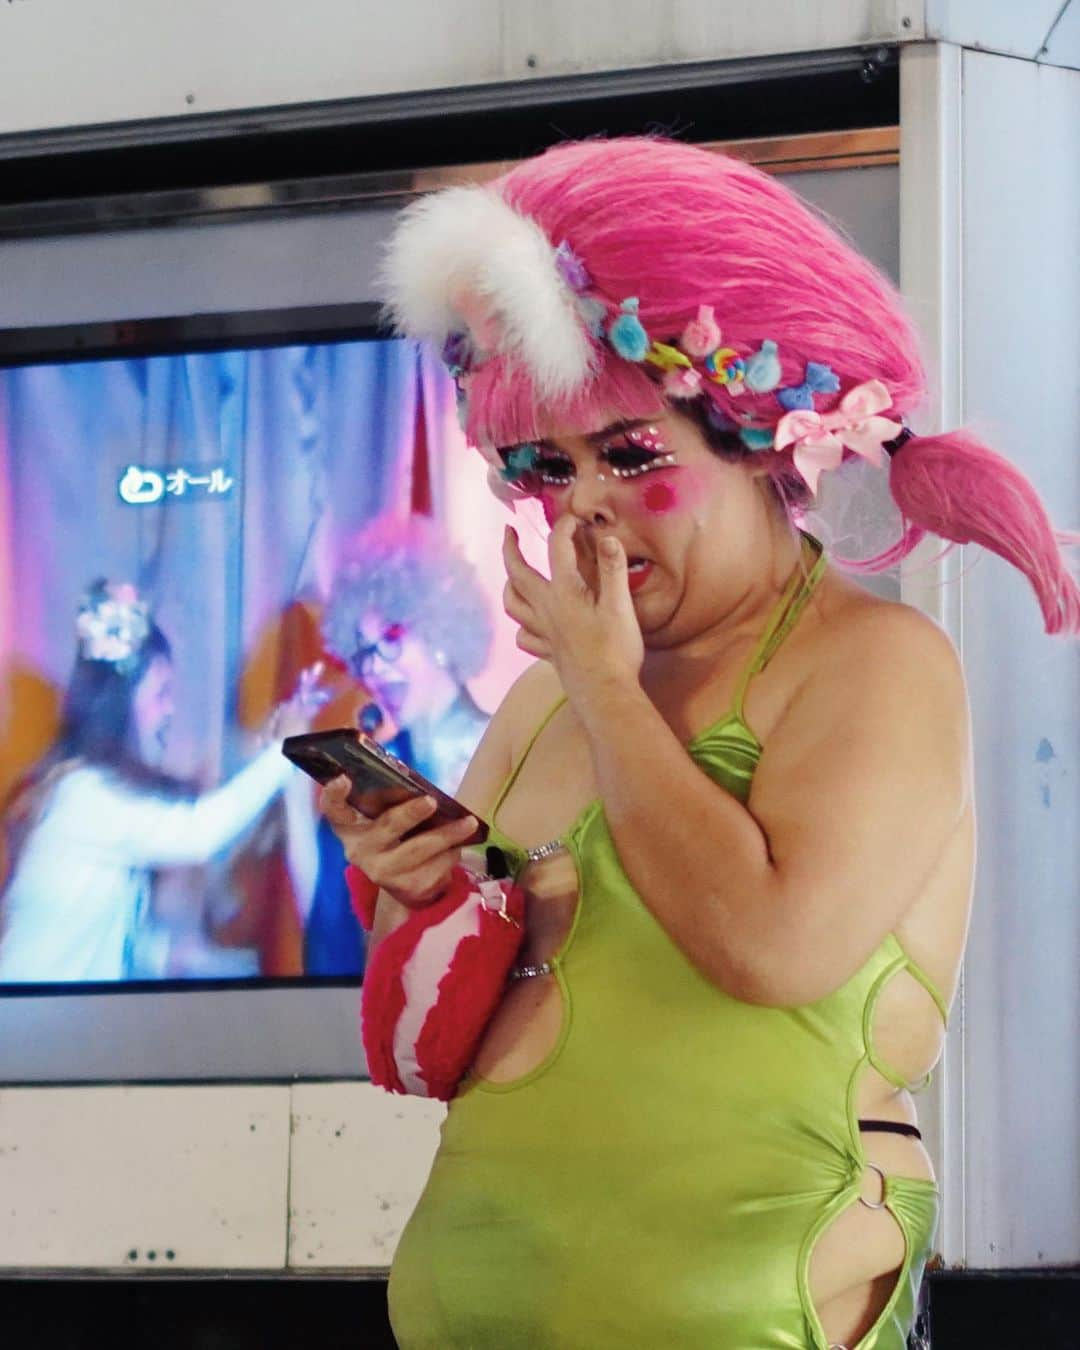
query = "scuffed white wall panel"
{"x": 102, "y": 1177}
{"x": 67, "y": 63}
{"x": 360, "y": 1158}
{"x": 568, "y": 36}
{"x": 1021, "y": 288}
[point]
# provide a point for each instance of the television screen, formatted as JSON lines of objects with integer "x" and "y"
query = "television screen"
{"x": 200, "y": 552}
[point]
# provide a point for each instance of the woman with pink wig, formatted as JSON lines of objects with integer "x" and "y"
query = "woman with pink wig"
{"x": 735, "y": 787}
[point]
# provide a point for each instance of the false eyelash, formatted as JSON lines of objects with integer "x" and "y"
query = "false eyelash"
{"x": 548, "y": 476}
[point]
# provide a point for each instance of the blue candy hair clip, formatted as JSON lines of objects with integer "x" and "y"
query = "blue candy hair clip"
{"x": 627, "y": 334}
{"x": 819, "y": 379}
{"x": 763, "y": 368}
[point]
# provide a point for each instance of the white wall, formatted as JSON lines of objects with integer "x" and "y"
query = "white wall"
{"x": 1038, "y": 30}
{"x": 1021, "y": 299}
{"x": 990, "y": 220}
{"x": 158, "y": 58}
{"x": 308, "y": 1177}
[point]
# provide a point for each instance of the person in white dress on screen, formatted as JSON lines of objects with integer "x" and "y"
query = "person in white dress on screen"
{"x": 98, "y": 816}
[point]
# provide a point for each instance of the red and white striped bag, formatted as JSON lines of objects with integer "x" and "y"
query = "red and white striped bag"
{"x": 434, "y": 983}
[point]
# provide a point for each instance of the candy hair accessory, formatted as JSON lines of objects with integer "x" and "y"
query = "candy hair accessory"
{"x": 820, "y": 439}
{"x": 726, "y": 367}
{"x": 112, "y": 624}
{"x": 763, "y": 368}
{"x": 818, "y": 379}
{"x": 702, "y": 334}
{"x": 626, "y": 333}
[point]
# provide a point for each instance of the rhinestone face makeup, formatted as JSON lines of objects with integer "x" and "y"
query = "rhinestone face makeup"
{"x": 660, "y": 462}
{"x": 637, "y": 451}
{"x": 646, "y": 438}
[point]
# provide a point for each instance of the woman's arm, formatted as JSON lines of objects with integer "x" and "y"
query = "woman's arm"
{"x": 301, "y": 842}
{"x": 861, "y": 786}
{"x": 488, "y": 769}
{"x": 152, "y": 831}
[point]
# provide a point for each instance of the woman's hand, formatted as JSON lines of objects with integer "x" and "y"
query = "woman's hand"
{"x": 590, "y": 633}
{"x": 411, "y": 871}
{"x": 295, "y": 716}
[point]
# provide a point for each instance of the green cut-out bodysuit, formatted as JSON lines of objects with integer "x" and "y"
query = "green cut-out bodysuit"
{"x": 661, "y": 1178}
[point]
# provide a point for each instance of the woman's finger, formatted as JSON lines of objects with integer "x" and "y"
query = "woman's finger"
{"x": 535, "y": 646}
{"x": 390, "y": 825}
{"x": 527, "y": 580}
{"x": 423, "y": 848}
{"x": 562, "y": 554}
{"x": 333, "y": 803}
{"x": 613, "y": 581}
{"x": 518, "y": 608}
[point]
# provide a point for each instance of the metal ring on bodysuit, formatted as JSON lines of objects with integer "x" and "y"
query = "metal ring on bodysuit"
{"x": 874, "y": 1204}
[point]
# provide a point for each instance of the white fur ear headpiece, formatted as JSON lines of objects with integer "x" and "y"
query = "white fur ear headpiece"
{"x": 463, "y": 260}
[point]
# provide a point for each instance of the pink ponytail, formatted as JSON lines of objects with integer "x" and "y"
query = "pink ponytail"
{"x": 955, "y": 487}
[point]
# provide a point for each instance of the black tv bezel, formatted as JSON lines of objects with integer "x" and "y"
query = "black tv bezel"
{"x": 178, "y": 335}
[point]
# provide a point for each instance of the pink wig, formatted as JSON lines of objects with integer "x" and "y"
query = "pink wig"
{"x": 679, "y": 227}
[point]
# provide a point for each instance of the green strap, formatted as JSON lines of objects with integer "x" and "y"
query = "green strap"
{"x": 513, "y": 776}
{"x": 800, "y": 587}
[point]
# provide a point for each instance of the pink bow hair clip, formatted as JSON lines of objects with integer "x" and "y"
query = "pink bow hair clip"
{"x": 820, "y": 439}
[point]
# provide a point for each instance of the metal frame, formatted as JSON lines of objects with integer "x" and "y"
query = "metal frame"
{"x": 931, "y": 220}
{"x": 203, "y": 206}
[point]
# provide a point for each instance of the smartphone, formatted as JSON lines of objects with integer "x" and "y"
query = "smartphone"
{"x": 379, "y": 779}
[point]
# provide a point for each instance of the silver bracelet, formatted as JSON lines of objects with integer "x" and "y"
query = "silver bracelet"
{"x": 545, "y": 850}
{"x": 530, "y": 972}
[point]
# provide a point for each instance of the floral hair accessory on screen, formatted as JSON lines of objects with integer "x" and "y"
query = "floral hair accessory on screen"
{"x": 112, "y": 624}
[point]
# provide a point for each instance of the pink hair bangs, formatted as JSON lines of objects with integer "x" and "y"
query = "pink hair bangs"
{"x": 504, "y": 409}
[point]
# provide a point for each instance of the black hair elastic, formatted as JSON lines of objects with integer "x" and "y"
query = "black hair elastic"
{"x": 895, "y": 444}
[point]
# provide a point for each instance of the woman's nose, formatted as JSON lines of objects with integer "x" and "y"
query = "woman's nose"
{"x": 590, "y": 497}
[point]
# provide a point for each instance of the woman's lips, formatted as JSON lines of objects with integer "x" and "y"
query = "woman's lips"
{"x": 639, "y": 570}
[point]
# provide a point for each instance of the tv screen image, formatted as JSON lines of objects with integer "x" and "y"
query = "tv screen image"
{"x": 187, "y": 539}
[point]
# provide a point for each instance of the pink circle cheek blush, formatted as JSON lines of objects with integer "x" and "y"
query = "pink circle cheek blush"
{"x": 659, "y": 498}
{"x": 662, "y": 495}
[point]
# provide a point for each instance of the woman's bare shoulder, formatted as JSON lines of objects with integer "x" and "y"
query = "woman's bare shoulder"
{"x": 886, "y": 659}
{"x": 871, "y": 629}
{"x": 512, "y": 723}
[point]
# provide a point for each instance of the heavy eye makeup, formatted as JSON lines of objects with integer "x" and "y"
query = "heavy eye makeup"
{"x": 625, "y": 460}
